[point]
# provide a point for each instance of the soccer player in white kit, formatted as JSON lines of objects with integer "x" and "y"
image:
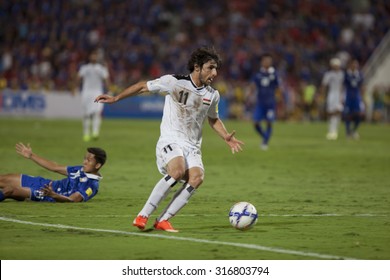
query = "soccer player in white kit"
{"x": 189, "y": 101}
{"x": 94, "y": 77}
{"x": 333, "y": 83}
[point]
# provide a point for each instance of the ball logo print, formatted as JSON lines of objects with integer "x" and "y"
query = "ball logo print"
{"x": 243, "y": 215}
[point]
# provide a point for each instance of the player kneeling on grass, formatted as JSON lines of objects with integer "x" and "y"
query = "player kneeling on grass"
{"x": 81, "y": 184}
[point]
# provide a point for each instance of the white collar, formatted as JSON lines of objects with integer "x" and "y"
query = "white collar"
{"x": 269, "y": 70}
{"x": 193, "y": 83}
{"x": 93, "y": 176}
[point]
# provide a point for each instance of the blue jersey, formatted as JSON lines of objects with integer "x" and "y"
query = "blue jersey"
{"x": 77, "y": 181}
{"x": 353, "y": 80}
{"x": 266, "y": 81}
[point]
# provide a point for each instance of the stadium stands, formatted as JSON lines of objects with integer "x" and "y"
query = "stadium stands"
{"x": 44, "y": 42}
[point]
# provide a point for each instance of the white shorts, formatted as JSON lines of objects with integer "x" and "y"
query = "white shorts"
{"x": 333, "y": 104}
{"x": 165, "y": 153}
{"x": 90, "y": 107}
{"x": 333, "y": 108}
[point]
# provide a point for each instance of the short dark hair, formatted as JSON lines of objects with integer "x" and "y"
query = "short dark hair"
{"x": 100, "y": 154}
{"x": 201, "y": 56}
{"x": 264, "y": 55}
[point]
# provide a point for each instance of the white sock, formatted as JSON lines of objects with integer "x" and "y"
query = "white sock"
{"x": 333, "y": 124}
{"x": 159, "y": 192}
{"x": 337, "y": 122}
{"x": 178, "y": 201}
{"x": 96, "y": 122}
{"x": 86, "y": 125}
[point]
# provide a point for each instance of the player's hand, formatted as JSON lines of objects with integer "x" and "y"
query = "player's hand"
{"x": 105, "y": 98}
{"x": 47, "y": 190}
{"x": 23, "y": 150}
{"x": 234, "y": 144}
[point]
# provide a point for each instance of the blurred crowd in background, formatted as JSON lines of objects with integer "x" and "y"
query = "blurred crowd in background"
{"x": 43, "y": 44}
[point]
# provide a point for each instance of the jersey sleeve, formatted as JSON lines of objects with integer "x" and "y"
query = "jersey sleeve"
{"x": 104, "y": 72}
{"x": 325, "y": 79}
{"x": 253, "y": 79}
{"x": 81, "y": 72}
{"x": 88, "y": 189}
{"x": 361, "y": 80}
{"x": 277, "y": 79}
{"x": 213, "y": 110}
{"x": 162, "y": 84}
{"x": 73, "y": 169}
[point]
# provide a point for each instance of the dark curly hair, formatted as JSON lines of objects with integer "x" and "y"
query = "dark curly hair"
{"x": 201, "y": 56}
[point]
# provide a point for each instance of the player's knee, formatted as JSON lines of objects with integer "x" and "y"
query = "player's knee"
{"x": 2, "y": 179}
{"x": 7, "y": 191}
{"x": 196, "y": 181}
{"x": 177, "y": 174}
{"x": 5, "y": 180}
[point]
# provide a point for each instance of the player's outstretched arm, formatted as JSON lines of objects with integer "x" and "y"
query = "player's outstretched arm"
{"x": 219, "y": 128}
{"x": 27, "y": 152}
{"x": 132, "y": 90}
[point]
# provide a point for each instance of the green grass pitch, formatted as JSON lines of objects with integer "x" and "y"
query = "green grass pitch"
{"x": 316, "y": 199}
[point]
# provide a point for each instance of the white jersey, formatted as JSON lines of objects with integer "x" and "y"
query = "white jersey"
{"x": 93, "y": 75}
{"x": 334, "y": 81}
{"x": 185, "y": 110}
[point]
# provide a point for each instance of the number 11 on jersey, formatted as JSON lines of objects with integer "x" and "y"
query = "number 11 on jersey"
{"x": 183, "y": 97}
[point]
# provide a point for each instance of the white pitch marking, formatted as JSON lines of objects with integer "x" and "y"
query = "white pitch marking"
{"x": 216, "y": 215}
{"x": 301, "y": 215}
{"x": 196, "y": 240}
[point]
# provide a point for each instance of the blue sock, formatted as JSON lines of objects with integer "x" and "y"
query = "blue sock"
{"x": 259, "y": 130}
{"x": 348, "y": 126}
{"x": 268, "y": 133}
{"x": 356, "y": 122}
{"x": 2, "y": 197}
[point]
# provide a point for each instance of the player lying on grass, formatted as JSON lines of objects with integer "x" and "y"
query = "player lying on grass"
{"x": 190, "y": 100}
{"x": 81, "y": 184}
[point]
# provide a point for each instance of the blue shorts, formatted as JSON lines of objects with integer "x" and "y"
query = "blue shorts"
{"x": 353, "y": 107}
{"x": 264, "y": 112}
{"x": 35, "y": 184}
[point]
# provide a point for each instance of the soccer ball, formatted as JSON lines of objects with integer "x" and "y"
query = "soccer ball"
{"x": 243, "y": 215}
